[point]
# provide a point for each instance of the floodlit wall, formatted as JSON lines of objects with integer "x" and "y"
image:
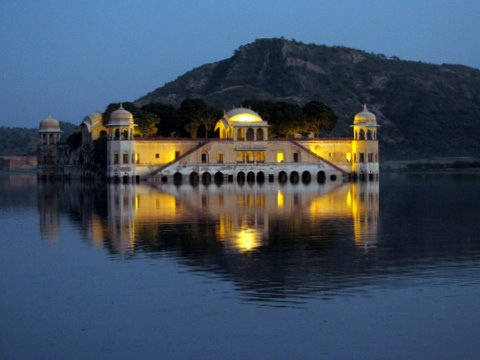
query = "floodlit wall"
{"x": 337, "y": 151}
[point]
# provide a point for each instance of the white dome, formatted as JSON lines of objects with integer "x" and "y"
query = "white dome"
{"x": 121, "y": 117}
{"x": 242, "y": 115}
{"x": 364, "y": 117}
{"x": 49, "y": 124}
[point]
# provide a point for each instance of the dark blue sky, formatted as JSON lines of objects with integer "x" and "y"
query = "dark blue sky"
{"x": 73, "y": 58}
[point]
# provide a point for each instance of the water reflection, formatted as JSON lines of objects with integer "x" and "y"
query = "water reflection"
{"x": 238, "y": 218}
{"x": 261, "y": 236}
{"x": 277, "y": 243}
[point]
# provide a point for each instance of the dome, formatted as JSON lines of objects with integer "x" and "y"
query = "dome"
{"x": 364, "y": 117}
{"x": 242, "y": 115}
{"x": 92, "y": 120}
{"x": 49, "y": 124}
{"x": 121, "y": 117}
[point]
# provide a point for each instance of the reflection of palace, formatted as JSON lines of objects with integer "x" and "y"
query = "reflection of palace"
{"x": 242, "y": 218}
{"x": 83, "y": 204}
{"x": 291, "y": 235}
{"x": 242, "y": 215}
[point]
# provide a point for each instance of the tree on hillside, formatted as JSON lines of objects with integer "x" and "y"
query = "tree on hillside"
{"x": 195, "y": 114}
{"x": 319, "y": 117}
{"x": 286, "y": 119}
{"x": 167, "y": 117}
{"x": 147, "y": 124}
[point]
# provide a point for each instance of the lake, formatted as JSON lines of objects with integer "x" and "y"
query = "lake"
{"x": 387, "y": 269}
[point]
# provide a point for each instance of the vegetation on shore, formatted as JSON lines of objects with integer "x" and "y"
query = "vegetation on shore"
{"x": 24, "y": 141}
{"x": 195, "y": 118}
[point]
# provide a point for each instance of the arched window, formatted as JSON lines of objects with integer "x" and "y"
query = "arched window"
{"x": 369, "y": 135}
{"x": 177, "y": 178}
{"x": 250, "y": 134}
{"x": 321, "y": 177}
{"x": 194, "y": 178}
{"x": 361, "y": 135}
{"x": 260, "y": 136}
{"x": 241, "y": 177}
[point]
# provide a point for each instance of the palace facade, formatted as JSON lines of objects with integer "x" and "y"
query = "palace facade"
{"x": 243, "y": 152}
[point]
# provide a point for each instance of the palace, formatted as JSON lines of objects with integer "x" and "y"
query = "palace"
{"x": 242, "y": 152}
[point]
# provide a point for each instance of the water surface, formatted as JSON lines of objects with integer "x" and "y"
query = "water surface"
{"x": 386, "y": 269}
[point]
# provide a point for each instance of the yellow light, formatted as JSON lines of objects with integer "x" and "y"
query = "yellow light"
{"x": 280, "y": 199}
{"x": 349, "y": 199}
{"x": 247, "y": 239}
{"x": 349, "y": 157}
{"x": 280, "y": 157}
{"x": 245, "y": 118}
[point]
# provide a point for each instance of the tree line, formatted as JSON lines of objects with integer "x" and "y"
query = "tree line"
{"x": 195, "y": 118}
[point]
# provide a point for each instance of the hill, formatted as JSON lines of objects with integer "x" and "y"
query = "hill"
{"x": 23, "y": 141}
{"x": 424, "y": 109}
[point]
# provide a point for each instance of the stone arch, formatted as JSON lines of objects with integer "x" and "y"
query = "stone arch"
{"x": 260, "y": 134}
{"x": 206, "y": 178}
{"x": 194, "y": 178}
{"x": 250, "y": 136}
{"x": 333, "y": 177}
{"x": 218, "y": 177}
{"x": 369, "y": 135}
{"x": 239, "y": 132}
{"x": 116, "y": 135}
{"x": 306, "y": 177}
{"x": 260, "y": 177}
{"x": 294, "y": 177}
{"x": 241, "y": 177}
{"x": 251, "y": 177}
{"x": 361, "y": 135}
{"x": 321, "y": 177}
{"x": 177, "y": 178}
{"x": 204, "y": 157}
{"x": 282, "y": 177}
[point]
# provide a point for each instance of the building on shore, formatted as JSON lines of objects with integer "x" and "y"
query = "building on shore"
{"x": 243, "y": 152}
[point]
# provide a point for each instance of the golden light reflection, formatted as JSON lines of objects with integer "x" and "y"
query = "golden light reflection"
{"x": 280, "y": 199}
{"x": 247, "y": 239}
{"x": 235, "y": 233}
{"x": 242, "y": 216}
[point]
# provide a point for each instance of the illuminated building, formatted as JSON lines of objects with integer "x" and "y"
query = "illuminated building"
{"x": 48, "y": 147}
{"x": 243, "y": 152}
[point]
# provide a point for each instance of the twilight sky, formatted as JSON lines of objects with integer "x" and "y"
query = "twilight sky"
{"x": 72, "y": 58}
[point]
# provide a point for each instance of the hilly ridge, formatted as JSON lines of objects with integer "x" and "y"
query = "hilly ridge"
{"x": 424, "y": 109}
